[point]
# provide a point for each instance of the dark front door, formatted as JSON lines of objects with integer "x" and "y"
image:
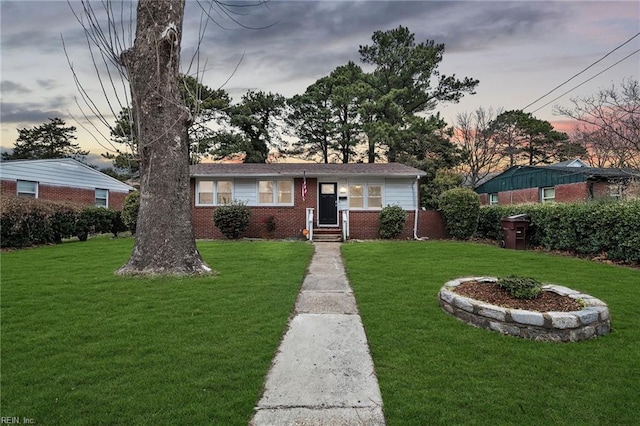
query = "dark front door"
{"x": 328, "y": 204}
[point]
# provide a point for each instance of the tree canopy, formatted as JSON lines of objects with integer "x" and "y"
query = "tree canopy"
{"x": 528, "y": 140}
{"x": 48, "y": 140}
{"x": 405, "y": 82}
{"x": 251, "y": 127}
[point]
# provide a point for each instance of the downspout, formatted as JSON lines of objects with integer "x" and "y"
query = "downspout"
{"x": 416, "y": 204}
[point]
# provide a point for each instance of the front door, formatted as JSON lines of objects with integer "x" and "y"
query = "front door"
{"x": 328, "y": 204}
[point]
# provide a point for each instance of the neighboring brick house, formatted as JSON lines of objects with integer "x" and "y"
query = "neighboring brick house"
{"x": 62, "y": 179}
{"x": 570, "y": 181}
{"x": 344, "y": 199}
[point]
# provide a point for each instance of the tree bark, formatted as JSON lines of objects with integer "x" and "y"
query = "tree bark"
{"x": 165, "y": 240}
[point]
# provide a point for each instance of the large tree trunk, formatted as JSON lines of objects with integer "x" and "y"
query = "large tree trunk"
{"x": 165, "y": 241}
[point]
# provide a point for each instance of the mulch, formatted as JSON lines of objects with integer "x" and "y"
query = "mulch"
{"x": 490, "y": 293}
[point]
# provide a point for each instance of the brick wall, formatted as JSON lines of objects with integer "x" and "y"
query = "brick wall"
{"x": 565, "y": 193}
{"x": 519, "y": 196}
{"x": 67, "y": 194}
{"x": 290, "y": 221}
{"x": 573, "y": 192}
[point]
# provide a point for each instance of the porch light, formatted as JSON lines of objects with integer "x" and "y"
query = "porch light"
{"x": 343, "y": 190}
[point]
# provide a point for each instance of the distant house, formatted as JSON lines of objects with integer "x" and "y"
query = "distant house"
{"x": 62, "y": 179}
{"x": 569, "y": 181}
{"x": 340, "y": 201}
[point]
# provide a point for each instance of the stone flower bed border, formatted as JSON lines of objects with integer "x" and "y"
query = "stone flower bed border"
{"x": 594, "y": 320}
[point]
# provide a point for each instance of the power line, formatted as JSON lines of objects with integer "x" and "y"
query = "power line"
{"x": 581, "y": 72}
{"x": 586, "y": 81}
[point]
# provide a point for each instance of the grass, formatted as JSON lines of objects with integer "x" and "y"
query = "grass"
{"x": 434, "y": 369}
{"x": 83, "y": 347}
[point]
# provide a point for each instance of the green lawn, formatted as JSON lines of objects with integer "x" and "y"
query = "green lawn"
{"x": 83, "y": 347}
{"x": 434, "y": 369}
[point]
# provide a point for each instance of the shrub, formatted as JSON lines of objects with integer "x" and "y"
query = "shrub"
{"x": 392, "y": 220}
{"x": 94, "y": 220}
{"x": 269, "y": 224}
{"x": 594, "y": 228}
{"x": 232, "y": 219}
{"x": 23, "y": 222}
{"x": 460, "y": 209}
{"x": 130, "y": 210}
{"x": 63, "y": 222}
{"x": 520, "y": 287}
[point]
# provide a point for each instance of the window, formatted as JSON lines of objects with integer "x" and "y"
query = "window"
{"x": 205, "y": 192}
{"x": 285, "y": 192}
{"x": 493, "y": 199}
{"x": 374, "y": 196}
{"x": 224, "y": 192}
{"x": 27, "y": 189}
{"x": 547, "y": 195}
{"x": 275, "y": 192}
{"x": 102, "y": 197}
{"x": 209, "y": 190}
{"x": 356, "y": 196}
{"x": 616, "y": 190}
{"x": 265, "y": 191}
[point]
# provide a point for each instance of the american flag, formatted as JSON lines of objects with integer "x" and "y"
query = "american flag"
{"x": 304, "y": 186}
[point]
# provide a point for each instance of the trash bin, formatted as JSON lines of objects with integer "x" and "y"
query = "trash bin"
{"x": 515, "y": 231}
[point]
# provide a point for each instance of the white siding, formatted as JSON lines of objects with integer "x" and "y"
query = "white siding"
{"x": 60, "y": 172}
{"x": 245, "y": 190}
{"x": 400, "y": 192}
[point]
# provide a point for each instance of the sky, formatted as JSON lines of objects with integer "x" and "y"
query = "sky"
{"x": 518, "y": 50}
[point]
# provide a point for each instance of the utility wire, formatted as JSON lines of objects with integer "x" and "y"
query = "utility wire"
{"x": 562, "y": 84}
{"x": 586, "y": 81}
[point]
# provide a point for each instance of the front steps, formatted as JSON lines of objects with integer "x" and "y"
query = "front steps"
{"x": 327, "y": 235}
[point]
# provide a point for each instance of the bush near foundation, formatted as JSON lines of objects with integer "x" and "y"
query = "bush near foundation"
{"x": 26, "y": 222}
{"x": 232, "y": 219}
{"x": 460, "y": 208}
{"x": 591, "y": 228}
{"x": 392, "y": 220}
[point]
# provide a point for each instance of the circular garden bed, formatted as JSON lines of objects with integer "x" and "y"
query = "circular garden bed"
{"x": 559, "y": 314}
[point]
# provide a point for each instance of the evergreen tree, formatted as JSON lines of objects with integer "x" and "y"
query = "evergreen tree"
{"x": 49, "y": 140}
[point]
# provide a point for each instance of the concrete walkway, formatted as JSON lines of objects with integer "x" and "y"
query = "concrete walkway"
{"x": 323, "y": 373}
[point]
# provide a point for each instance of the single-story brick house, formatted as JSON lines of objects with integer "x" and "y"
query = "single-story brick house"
{"x": 62, "y": 179}
{"x": 343, "y": 199}
{"x": 569, "y": 181}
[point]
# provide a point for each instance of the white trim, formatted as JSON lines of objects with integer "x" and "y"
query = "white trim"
{"x": 545, "y": 199}
{"x": 36, "y": 186}
{"x": 106, "y": 198}
{"x": 275, "y": 192}
{"x": 214, "y": 193}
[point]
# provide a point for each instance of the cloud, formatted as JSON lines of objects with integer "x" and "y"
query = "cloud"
{"x": 10, "y": 87}
{"x": 47, "y": 84}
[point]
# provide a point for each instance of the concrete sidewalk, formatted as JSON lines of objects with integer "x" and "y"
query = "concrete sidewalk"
{"x": 323, "y": 373}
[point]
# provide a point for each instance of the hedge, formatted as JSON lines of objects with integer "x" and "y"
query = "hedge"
{"x": 593, "y": 228}
{"x": 28, "y": 222}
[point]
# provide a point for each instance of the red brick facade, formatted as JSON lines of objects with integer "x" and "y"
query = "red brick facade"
{"x": 67, "y": 194}
{"x": 564, "y": 193}
{"x": 290, "y": 221}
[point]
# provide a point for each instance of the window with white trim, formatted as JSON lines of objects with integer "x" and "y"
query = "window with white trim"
{"x": 26, "y": 188}
{"x": 547, "y": 195}
{"x": 356, "y": 196}
{"x": 275, "y": 192}
{"x": 102, "y": 198}
{"x": 285, "y": 192}
{"x": 365, "y": 195}
{"x": 374, "y": 196}
{"x": 493, "y": 199}
{"x": 224, "y": 192}
{"x": 214, "y": 192}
